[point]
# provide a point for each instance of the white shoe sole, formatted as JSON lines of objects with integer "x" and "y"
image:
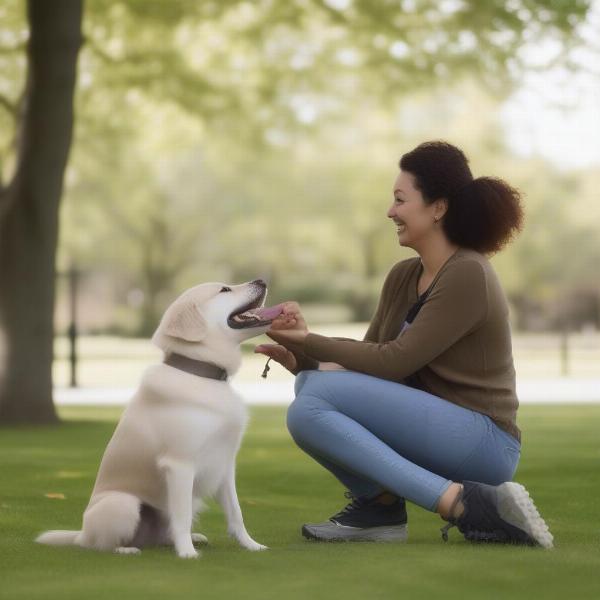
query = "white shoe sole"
{"x": 332, "y": 532}
{"x": 517, "y": 508}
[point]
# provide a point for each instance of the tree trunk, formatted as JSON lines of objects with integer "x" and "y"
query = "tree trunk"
{"x": 29, "y": 213}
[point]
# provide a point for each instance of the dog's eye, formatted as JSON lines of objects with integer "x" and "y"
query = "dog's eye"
{"x": 225, "y": 289}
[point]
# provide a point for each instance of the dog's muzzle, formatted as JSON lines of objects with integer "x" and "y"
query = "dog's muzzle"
{"x": 253, "y": 314}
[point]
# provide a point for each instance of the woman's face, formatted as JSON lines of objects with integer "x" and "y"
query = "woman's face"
{"x": 414, "y": 219}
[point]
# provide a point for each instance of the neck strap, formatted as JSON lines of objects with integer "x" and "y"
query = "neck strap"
{"x": 199, "y": 368}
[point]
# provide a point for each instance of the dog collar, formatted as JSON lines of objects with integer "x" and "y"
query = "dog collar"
{"x": 195, "y": 367}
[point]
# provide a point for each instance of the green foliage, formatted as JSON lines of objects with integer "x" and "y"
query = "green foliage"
{"x": 235, "y": 63}
{"x": 230, "y": 140}
{"x": 309, "y": 217}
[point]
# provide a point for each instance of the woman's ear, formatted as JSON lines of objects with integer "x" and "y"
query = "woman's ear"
{"x": 441, "y": 208}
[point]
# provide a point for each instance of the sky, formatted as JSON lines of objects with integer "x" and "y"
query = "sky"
{"x": 556, "y": 113}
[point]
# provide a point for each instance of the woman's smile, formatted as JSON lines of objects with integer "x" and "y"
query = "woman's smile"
{"x": 400, "y": 227}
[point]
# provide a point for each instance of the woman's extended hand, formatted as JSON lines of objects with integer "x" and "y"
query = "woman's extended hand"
{"x": 279, "y": 354}
{"x": 289, "y": 329}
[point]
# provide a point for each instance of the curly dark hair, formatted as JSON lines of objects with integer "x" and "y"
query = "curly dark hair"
{"x": 483, "y": 214}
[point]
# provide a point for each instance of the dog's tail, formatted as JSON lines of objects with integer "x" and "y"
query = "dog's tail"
{"x": 58, "y": 538}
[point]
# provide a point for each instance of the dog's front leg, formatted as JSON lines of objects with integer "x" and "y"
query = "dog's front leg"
{"x": 227, "y": 497}
{"x": 179, "y": 478}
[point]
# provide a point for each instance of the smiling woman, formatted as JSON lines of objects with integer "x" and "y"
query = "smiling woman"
{"x": 424, "y": 408}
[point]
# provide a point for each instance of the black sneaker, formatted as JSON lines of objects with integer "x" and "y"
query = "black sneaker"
{"x": 363, "y": 520}
{"x": 503, "y": 513}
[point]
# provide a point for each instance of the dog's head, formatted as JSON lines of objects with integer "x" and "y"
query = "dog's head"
{"x": 215, "y": 315}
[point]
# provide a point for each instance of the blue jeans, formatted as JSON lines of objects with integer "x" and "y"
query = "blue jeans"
{"x": 376, "y": 435}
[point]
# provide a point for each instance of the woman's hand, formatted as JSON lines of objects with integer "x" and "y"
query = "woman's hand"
{"x": 289, "y": 329}
{"x": 279, "y": 354}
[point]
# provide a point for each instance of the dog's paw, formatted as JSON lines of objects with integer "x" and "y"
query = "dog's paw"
{"x": 127, "y": 550}
{"x": 187, "y": 553}
{"x": 254, "y": 546}
{"x": 199, "y": 538}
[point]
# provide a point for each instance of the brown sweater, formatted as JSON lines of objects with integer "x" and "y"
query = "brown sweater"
{"x": 457, "y": 348}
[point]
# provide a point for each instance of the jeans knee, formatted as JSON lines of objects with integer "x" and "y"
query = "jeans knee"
{"x": 295, "y": 416}
{"x": 300, "y": 415}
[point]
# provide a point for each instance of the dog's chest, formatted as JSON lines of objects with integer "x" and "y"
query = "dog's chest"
{"x": 216, "y": 459}
{"x": 201, "y": 424}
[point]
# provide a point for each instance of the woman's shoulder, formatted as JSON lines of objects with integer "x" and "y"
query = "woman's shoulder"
{"x": 466, "y": 254}
{"x": 474, "y": 270}
{"x": 470, "y": 261}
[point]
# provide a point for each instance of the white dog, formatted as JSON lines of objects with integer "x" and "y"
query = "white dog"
{"x": 177, "y": 440}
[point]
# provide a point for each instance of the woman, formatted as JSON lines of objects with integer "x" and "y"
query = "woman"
{"x": 425, "y": 407}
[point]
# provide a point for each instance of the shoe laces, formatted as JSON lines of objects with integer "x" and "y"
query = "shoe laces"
{"x": 445, "y": 530}
{"x": 355, "y": 504}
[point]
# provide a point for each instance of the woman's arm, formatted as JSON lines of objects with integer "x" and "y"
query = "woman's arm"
{"x": 457, "y": 305}
{"x": 290, "y": 329}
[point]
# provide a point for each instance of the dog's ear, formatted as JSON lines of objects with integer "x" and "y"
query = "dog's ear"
{"x": 185, "y": 323}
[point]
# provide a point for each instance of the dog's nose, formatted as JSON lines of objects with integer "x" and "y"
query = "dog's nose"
{"x": 259, "y": 282}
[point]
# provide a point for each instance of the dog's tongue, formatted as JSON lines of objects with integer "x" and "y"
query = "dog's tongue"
{"x": 268, "y": 313}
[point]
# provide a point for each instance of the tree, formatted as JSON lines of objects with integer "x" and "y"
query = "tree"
{"x": 229, "y": 63}
{"x": 29, "y": 212}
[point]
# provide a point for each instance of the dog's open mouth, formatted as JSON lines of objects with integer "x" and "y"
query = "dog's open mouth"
{"x": 253, "y": 315}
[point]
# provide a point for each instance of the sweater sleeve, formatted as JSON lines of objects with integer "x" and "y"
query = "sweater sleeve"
{"x": 456, "y": 306}
{"x": 307, "y": 363}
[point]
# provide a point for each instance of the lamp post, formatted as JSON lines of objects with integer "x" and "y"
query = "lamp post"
{"x": 72, "y": 275}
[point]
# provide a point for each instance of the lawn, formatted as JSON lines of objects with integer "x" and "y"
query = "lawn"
{"x": 47, "y": 474}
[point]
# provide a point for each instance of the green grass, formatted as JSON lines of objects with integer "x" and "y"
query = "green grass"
{"x": 280, "y": 488}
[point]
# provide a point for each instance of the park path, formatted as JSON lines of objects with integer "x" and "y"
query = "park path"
{"x": 530, "y": 391}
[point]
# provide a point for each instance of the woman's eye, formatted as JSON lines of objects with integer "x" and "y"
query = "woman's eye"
{"x": 225, "y": 289}
{"x": 398, "y": 200}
